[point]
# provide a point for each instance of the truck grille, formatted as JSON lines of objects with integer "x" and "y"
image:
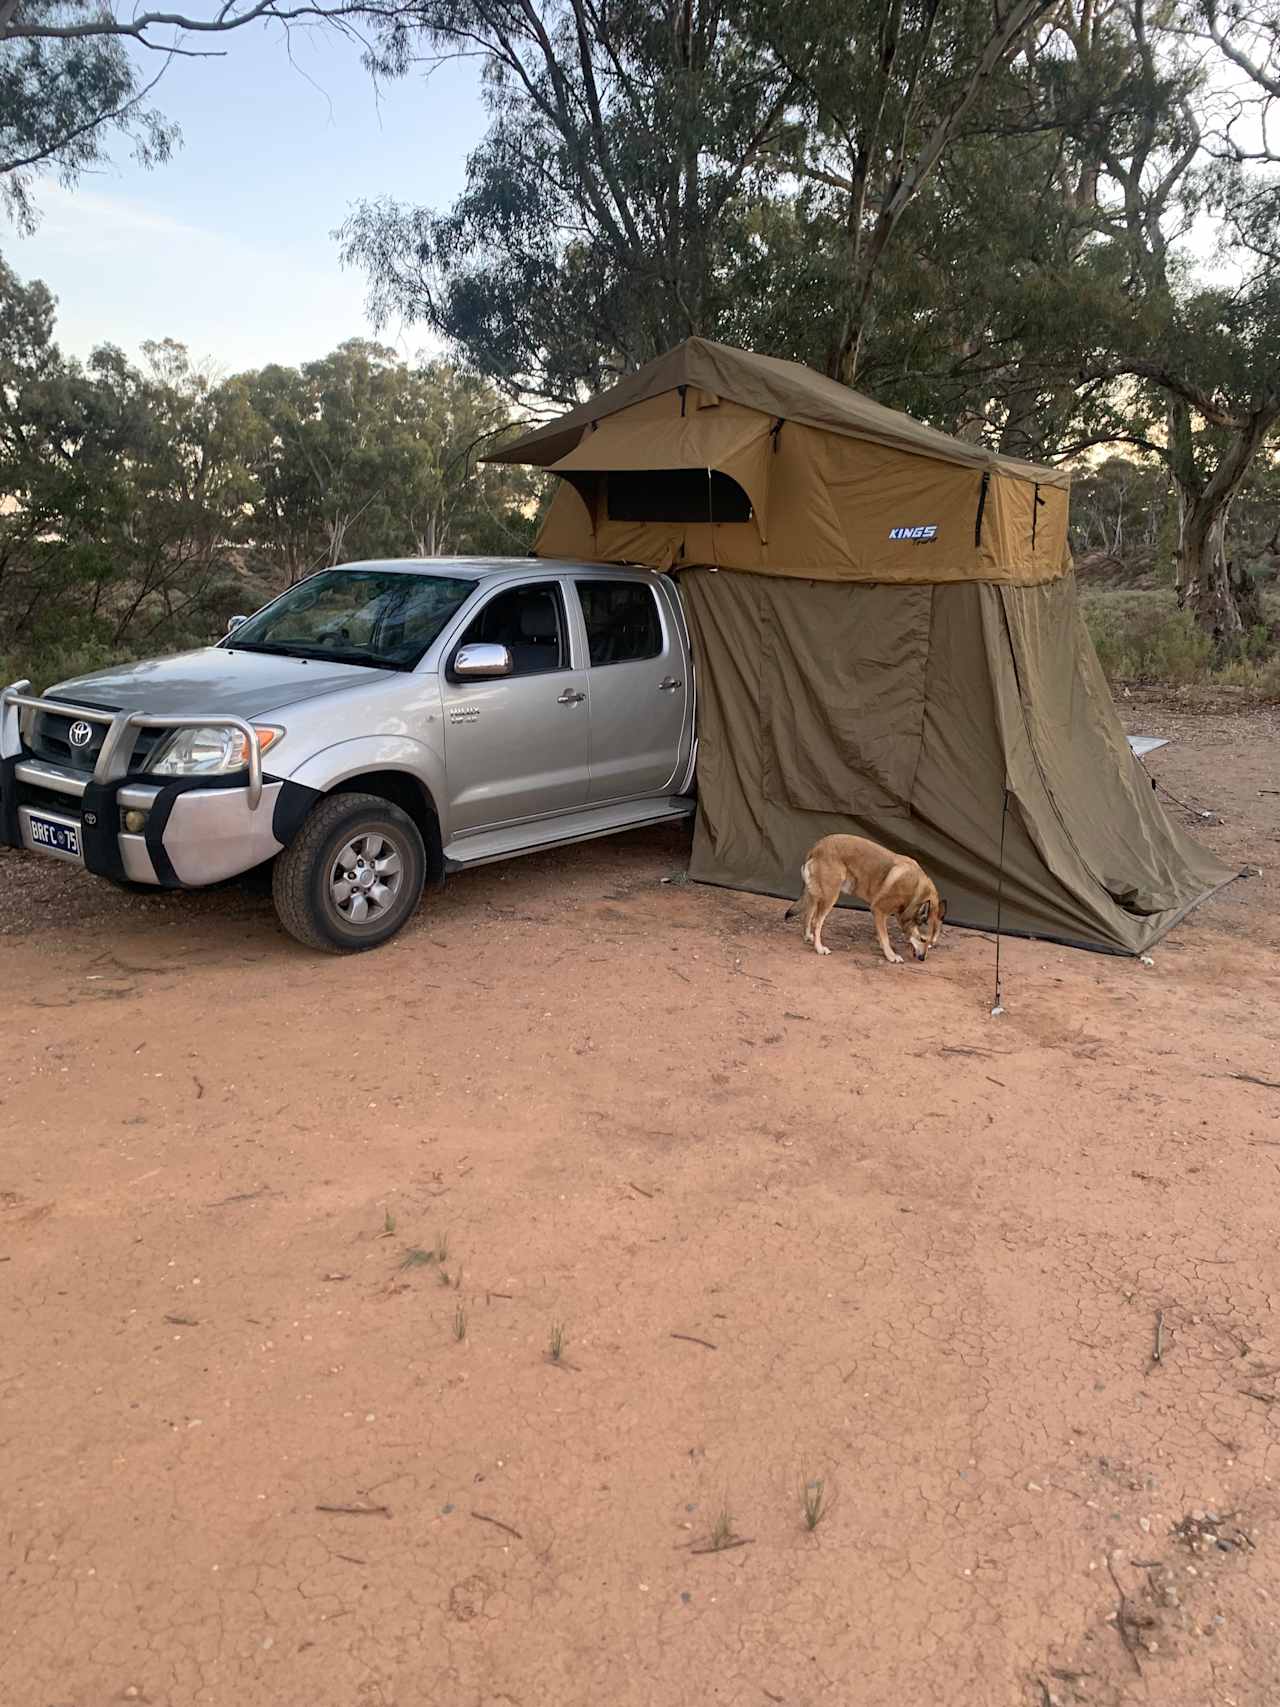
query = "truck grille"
{"x": 48, "y": 800}
{"x": 49, "y": 738}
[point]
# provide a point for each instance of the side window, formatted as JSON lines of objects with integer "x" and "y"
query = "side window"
{"x": 622, "y": 621}
{"x": 529, "y": 622}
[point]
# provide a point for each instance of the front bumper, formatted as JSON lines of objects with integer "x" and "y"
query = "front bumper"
{"x": 194, "y": 830}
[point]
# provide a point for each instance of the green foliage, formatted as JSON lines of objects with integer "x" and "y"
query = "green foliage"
{"x": 652, "y": 172}
{"x": 62, "y": 99}
{"x": 361, "y": 455}
{"x": 606, "y": 211}
{"x": 1143, "y": 637}
{"x": 142, "y": 506}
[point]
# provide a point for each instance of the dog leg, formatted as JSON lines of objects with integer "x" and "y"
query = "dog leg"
{"x": 810, "y": 907}
{"x": 819, "y": 917}
{"x": 882, "y": 931}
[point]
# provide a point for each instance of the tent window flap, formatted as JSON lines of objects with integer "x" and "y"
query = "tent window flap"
{"x": 674, "y": 495}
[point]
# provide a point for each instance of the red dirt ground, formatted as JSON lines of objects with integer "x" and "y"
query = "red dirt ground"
{"x": 799, "y": 1219}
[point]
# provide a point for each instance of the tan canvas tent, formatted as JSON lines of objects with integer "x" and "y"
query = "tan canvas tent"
{"x": 887, "y": 639}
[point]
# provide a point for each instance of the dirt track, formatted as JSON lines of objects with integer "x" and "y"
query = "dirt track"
{"x": 926, "y": 1252}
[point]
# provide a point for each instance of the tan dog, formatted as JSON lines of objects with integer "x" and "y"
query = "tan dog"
{"x": 890, "y": 884}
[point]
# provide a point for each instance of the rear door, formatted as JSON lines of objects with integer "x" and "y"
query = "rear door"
{"x": 637, "y": 675}
{"x": 517, "y": 746}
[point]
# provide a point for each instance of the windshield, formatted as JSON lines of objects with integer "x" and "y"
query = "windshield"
{"x": 383, "y": 617}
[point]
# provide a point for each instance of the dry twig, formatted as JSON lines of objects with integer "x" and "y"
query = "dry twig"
{"x": 497, "y": 1524}
{"x": 1123, "y": 1617}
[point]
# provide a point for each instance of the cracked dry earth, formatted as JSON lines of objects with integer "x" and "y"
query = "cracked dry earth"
{"x": 917, "y": 1254}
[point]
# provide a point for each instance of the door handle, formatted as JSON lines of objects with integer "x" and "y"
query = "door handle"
{"x": 569, "y": 697}
{"x": 668, "y": 684}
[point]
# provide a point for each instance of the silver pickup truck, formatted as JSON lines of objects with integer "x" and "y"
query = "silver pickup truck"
{"x": 370, "y": 730}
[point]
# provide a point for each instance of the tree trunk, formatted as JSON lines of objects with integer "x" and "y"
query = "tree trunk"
{"x": 1182, "y": 463}
{"x": 1222, "y": 601}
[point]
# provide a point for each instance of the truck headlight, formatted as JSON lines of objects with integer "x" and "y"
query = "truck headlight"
{"x": 208, "y": 752}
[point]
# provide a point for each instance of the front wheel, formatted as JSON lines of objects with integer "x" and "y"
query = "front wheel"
{"x": 352, "y": 876}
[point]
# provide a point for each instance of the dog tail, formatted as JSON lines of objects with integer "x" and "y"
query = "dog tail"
{"x": 796, "y": 905}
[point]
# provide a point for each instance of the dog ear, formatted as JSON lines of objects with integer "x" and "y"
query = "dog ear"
{"x": 942, "y": 911}
{"x": 922, "y": 917}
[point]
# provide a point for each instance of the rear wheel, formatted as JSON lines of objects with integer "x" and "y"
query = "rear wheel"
{"x": 352, "y": 876}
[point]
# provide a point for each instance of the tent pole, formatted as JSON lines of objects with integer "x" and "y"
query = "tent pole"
{"x": 997, "y": 1007}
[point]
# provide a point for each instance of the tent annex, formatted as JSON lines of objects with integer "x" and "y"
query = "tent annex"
{"x": 887, "y": 638}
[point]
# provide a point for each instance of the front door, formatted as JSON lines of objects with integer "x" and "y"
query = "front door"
{"x": 639, "y": 693}
{"x": 517, "y": 746}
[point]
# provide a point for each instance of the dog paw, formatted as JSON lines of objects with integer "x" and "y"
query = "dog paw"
{"x": 822, "y": 950}
{"x": 895, "y": 960}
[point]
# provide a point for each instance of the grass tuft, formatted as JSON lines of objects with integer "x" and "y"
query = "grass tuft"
{"x": 459, "y": 1323}
{"x": 416, "y": 1257}
{"x": 816, "y": 1504}
{"x": 722, "y": 1529}
{"x": 555, "y": 1349}
{"x": 388, "y": 1224}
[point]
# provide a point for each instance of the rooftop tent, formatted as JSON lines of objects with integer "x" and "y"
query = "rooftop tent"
{"x": 887, "y": 637}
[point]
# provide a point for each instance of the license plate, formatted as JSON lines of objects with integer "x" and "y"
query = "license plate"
{"x": 59, "y": 838}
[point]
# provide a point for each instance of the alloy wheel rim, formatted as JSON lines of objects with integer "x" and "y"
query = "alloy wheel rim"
{"x": 365, "y": 878}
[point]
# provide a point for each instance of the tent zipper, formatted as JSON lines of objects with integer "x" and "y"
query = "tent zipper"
{"x": 982, "y": 504}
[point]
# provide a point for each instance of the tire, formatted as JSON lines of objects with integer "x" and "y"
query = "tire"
{"x": 314, "y": 900}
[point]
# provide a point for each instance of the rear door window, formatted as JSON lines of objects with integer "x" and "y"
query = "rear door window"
{"x": 622, "y": 621}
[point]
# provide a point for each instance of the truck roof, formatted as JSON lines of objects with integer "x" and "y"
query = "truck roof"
{"x": 486, "y": 568}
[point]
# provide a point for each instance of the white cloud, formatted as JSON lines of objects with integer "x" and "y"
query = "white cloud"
{"x": 88, "y": 219}
{"x": 126, "y": 272}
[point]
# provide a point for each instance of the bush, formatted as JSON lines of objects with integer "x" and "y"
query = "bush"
{"x": 1142, "y": 636}
{"x": 45, "y": 665}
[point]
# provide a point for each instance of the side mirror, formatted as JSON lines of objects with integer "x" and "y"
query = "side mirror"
{"x": 479, "y": 662}
{"x": 233, "y": 622}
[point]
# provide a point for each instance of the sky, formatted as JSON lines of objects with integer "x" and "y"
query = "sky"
{"x": 227, "y": 247}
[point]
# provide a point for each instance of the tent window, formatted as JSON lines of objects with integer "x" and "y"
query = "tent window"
{"x": 675, "y": 495}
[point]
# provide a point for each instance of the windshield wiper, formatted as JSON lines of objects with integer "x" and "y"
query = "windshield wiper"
{"x": 373, "y": 659}
{"x": 278, "y": 651}
{"x": 318, "y": 654}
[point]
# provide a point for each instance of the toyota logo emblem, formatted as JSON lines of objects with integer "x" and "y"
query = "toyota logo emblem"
{"x": 80, "y": 734}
